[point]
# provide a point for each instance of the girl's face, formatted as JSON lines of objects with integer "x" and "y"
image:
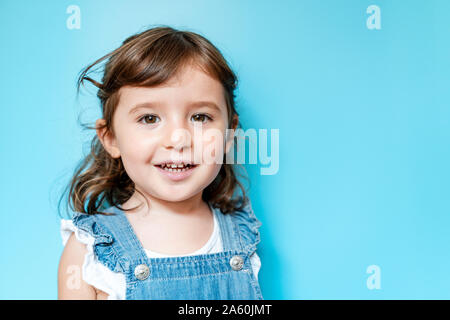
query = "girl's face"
{"x": 156, "y": 125}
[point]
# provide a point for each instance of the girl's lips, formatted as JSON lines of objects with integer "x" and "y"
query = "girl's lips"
{"x": 176, "y": 176}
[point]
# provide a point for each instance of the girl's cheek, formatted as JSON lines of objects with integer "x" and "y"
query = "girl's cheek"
{"x": 213, "y": 150}
{"x": 141, "y": 146}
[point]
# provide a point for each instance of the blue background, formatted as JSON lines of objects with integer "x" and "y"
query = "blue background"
{"x": 363, "y": 115}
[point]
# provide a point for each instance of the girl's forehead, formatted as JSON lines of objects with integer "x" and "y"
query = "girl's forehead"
{"x": 188, "y": 86}
{"x": 192, "y": 77}
{"x": 188, "y": 73}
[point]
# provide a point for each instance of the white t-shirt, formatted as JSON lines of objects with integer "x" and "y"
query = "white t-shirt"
{"x": 113, "y": 283}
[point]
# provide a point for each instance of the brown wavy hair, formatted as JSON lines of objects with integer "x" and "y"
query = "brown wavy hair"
{"x": 147, "y": 59}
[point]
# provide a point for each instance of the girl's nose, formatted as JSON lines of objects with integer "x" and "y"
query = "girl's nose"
{"x": 177, "y": 136}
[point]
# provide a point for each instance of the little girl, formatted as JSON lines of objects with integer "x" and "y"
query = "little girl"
{"x": 153, "y": 219}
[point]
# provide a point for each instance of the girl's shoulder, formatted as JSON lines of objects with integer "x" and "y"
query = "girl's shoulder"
{"x": 79, "y": 252}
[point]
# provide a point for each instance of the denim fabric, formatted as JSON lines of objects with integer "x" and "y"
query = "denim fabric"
{"x": 197, "y": 277}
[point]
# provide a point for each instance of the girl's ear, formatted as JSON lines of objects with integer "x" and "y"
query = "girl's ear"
{"x": 229, "y": 134}
{"x": 106, "y": 138}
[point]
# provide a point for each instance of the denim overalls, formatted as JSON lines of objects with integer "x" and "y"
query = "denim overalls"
{"x": 225, "y": 275}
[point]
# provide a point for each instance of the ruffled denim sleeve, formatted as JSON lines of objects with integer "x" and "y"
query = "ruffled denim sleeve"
{"x": 103, "y": 245}
{"x": 93, "y": 272}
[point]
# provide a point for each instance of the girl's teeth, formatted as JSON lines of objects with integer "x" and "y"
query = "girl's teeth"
{"x": 175, "y": 170}
{"x": 176, "y": 167}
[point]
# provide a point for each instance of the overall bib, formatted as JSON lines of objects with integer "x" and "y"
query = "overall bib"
{"x": 225, "y": 275}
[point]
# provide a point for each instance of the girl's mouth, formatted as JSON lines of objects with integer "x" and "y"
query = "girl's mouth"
{"x": 176, "y": 172}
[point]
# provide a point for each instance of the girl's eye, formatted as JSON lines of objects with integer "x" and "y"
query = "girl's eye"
{"x": 151, "y": 119}
{"x": 201, "y": 117}
{"x": 148, "y": 118}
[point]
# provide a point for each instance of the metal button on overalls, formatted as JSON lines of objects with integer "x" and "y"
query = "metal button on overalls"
{"x": 236, "y": 263}
{"x": 141, "y": 272}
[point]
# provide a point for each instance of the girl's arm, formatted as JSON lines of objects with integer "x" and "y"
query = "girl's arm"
{"x": 71, "y": 286}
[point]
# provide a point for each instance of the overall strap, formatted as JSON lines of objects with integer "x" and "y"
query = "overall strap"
{"x": 127, "y": 244}
{"x": 228, "y": 231}
{"x": 239, "y": 229}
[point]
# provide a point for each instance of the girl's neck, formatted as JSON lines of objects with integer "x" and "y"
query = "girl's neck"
{"x": 159, "y": 207}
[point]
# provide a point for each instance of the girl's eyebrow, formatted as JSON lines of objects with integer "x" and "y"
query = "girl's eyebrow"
{"x": 145, "y": 105}
{"x": 198, "y": 104}
{"x": 195, "y": 104}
